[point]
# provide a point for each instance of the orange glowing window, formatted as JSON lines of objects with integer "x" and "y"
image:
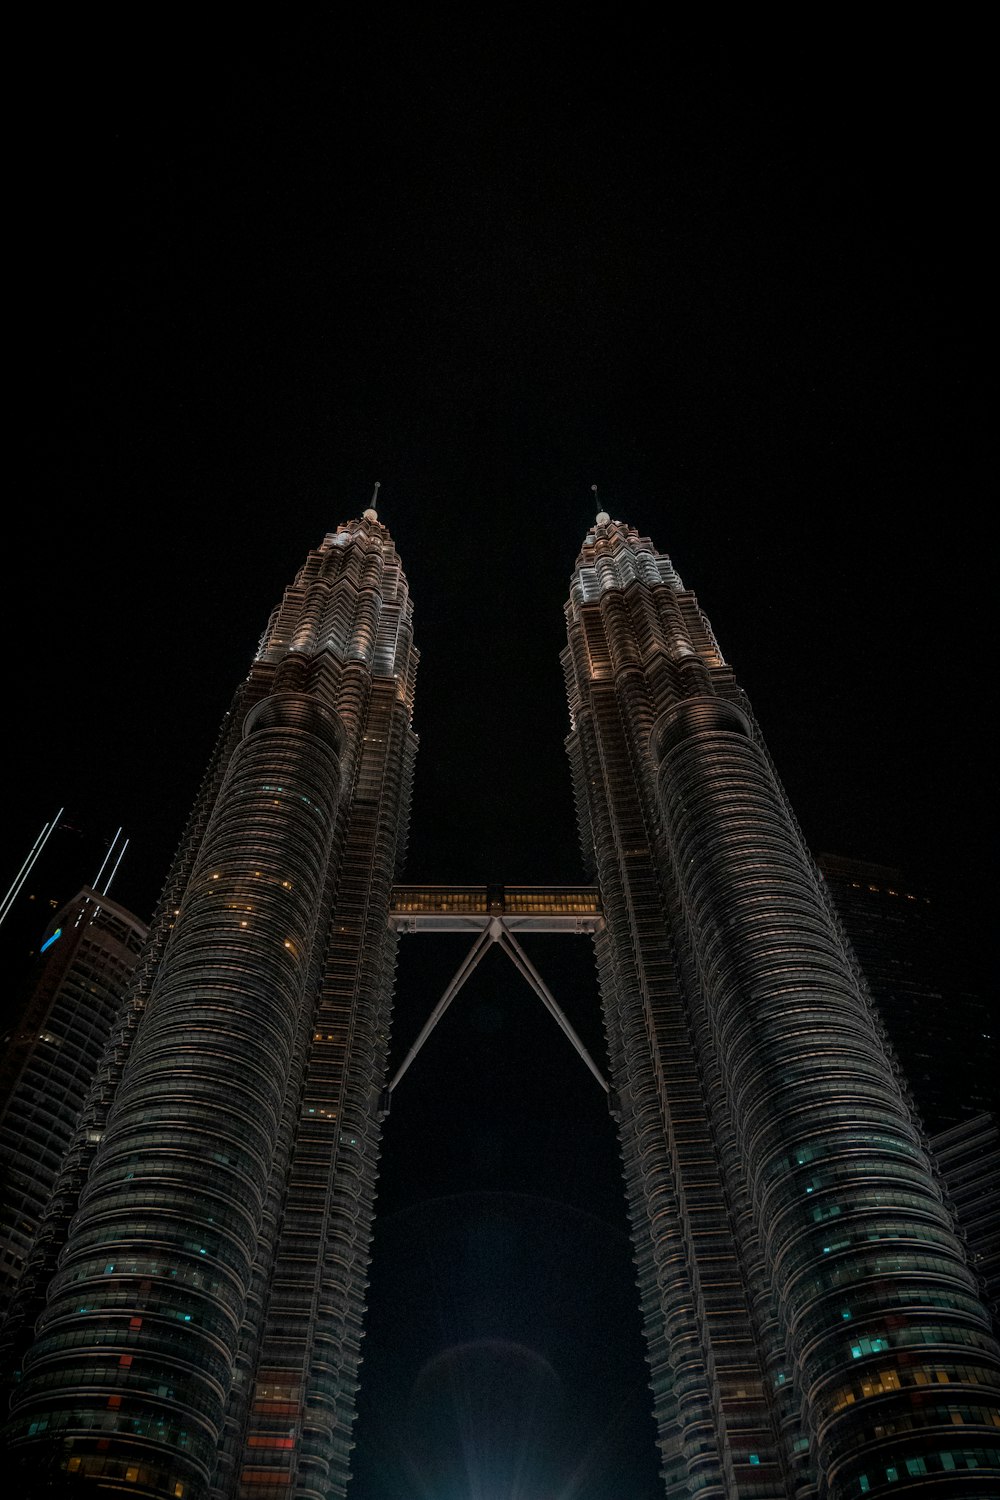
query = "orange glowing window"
{"x": 125, "y": 1362}
{"x": 114, "y": 1402}
{"x": 270, "y": 1442}
{"x": 135, "y": 1322}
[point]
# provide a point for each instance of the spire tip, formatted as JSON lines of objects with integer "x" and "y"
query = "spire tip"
{"x": 602, "y": 516}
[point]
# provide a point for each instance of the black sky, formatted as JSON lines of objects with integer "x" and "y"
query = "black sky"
{"x": 741, "y": 286}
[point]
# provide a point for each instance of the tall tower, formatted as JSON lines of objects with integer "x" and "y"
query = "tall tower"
{"x": 812, "y": 1325}
{"x": 201, "y": 1330}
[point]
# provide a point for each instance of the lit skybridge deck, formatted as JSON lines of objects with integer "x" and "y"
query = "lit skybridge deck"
{"x": 493, "y": 913}
{"x": 470, "y": 908}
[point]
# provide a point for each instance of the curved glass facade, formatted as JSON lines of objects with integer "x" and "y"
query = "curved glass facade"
{"x": 812, "y": 1323}
{"x": 208, "y": 1282}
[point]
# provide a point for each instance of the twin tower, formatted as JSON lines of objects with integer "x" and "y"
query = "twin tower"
{"x": 189, "y": 1326}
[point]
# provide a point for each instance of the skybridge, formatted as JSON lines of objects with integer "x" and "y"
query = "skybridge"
{"x": 494, "y": 914}
{"x": 470, "y": 908}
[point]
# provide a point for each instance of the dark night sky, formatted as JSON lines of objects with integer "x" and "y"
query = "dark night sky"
{"x": 490, "y": 263}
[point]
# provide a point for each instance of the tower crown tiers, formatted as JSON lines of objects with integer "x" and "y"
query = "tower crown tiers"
{"x": 614, "y": 555}
{"x": 349, "y": 601}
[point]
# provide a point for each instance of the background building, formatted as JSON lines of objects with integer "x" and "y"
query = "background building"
{"x": 88, "y": 953}
{"x": 915, "y": 953}
{"x": 919, "y": 957}
{"x": 64, "y": 856}
{"x": 968, "y": 1158}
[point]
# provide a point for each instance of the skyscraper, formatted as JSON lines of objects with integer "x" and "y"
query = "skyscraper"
{"x": 201, "y": 1333}
{"x": 813, "y": 1327}
{"x": 65, "y": 857}
{"x": 88, "y": 953}
{"x": 812, "y": 1324}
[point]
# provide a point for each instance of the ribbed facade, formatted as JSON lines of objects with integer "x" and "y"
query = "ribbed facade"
{"x": 205, "y": 1266}
{"x": 88, "y": 955}
{"x": 813, "y": 1327}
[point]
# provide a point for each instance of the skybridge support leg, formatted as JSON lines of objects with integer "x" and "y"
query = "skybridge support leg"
{"x": 494, "y": 931}
{"x": 526, "y": 968}
{"x": 461, "y": 974}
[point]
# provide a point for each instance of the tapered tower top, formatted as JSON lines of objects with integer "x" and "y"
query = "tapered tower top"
{"x": 614, "y": 554}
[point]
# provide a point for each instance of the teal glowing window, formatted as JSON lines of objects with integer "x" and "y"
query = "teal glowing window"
{"x": 868, "y": 1346}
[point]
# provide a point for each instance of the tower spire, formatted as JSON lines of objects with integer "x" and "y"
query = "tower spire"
{"x": 371, "y": 514}
{"x": 602, "y": 516}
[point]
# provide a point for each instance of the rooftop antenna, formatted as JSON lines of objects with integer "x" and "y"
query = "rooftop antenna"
{"x": 602, "y": 516}
{"x": 104, "y": 864}
{"x": 114, "y": 872}
{"x": 47, "y": 831}
{"x": 111, "y": 849}
{"x": 371, "y": 514}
